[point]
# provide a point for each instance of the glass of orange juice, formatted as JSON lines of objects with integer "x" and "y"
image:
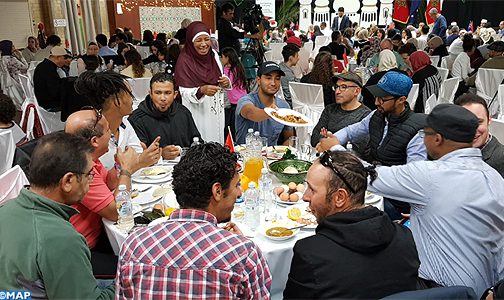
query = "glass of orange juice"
{"x": 253, "y": 167}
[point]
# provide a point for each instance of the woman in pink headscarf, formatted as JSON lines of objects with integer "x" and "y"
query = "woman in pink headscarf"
{"x": 199, "y": 75}
{"x": 426, "y": 75}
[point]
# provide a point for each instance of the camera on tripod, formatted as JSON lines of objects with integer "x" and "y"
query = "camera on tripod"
{"x": 252, "y": 18}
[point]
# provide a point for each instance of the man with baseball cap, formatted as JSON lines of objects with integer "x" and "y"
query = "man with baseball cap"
{"x": 250, "y": 108}
{"x": 456, "y": 204}
{"x": 47, "y": 82}
{"x": 346, "y": 110}
{"x": 496, "y": 60}
{"x": 392, "y": 129}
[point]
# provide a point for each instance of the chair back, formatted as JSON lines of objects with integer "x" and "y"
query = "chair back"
{"x": 497, "y": 129}
{"x": 308, "y": 46}
{"x": 276, "y": 51}
{"x": 413, "y": 95}
{"x": 322, "y": 40}
{"x": 443, "y": 73}
{"x": 11, "y": 183}
{"x": 73, "y": 68}
{"x": 143, "y": 50}
{"x": 430, "y": 103}
{"x": 434, "y": 60}
{"x": 7, "y": 148}
{"x": 487, "y": 84}
{"x": 307, "y": 99}
{"x": 10, "y": 87}
{"x": 500, "y": 99}
{"x": 140, "y": 88}
{"x": 26, "y": 86}
{"x": 447, "y": 90}
{"x": 36, "y": 121}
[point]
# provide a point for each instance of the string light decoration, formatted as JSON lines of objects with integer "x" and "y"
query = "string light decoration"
{"x": 130, "y": 4}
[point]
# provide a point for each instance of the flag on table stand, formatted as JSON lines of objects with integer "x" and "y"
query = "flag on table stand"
{"x": 470, "y": 28}
{"x": 229, "y": 141}
{"x": 432, "y": 4}
{"x": 345, "y": 59}
{"x": 401, "y": 11}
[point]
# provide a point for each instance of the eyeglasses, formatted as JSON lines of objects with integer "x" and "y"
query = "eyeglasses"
{"x": 343, "y": 87}
{"x": 97, "y": 112}
{"x": 422, "y": 133}
{"x": 90, "y": 175}
{"x": 326, "y": 161}
{"x": 381, "y": 100}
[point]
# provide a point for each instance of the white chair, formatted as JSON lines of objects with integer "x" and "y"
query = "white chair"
{"x": 447, "y": 90}
{"x": 143, "y": 50}
{"x": 308, "y": 46}
{"x": 140, "y": 87}
{"x": 280, "y": 94}
{"x": 10, "y": 87}
{"x": 11, "y": 183}
{"x": 307, "y": 99}
{"x": 413, "y": 95}
{"x": 276, "y": 51}
{"x": 430, "y": 103}
{"x": 7, "y": 147}
{"x": 444, "y": 63}
{"x": 487, "y": 83}
{"x": 443, "y": 73}
{"x": 500, "y": 99}
{"x": 73, "y": 69}
{"x": 31, "y": 70}
{"x": 47, "y": 121}
{"x": 26, "y": 86}
{"x": 322, "y": 40}
{"x": 434, "y": 60}
{"x": 497, "y": 129}
{"x": 268, "y": 55}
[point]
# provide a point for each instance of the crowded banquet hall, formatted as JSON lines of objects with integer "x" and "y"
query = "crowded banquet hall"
{"x": 252, "y": 149}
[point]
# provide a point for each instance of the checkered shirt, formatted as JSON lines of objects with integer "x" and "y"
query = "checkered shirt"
{"x": 188, "y": 256}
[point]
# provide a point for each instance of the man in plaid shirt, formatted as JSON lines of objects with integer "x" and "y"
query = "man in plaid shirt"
{"x": 188, "y": 256}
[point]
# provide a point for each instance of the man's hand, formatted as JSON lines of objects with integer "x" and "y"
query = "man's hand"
{"x": 170, "y": 152}
{"x": 209, "y": 90}
{"x": 127, "y": 159}
{"x": 232, "y": 227}
{"x": 326, "y": 144}
{"x": 150, "y": 155}
{"x": 224, "y": 82}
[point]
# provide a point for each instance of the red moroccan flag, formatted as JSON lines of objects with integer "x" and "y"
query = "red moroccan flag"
{"x": 432, "y": 4}
{"x": 229, "y": 141}
{"x": 401, "y": 11}
{"x": 345, "y": 59}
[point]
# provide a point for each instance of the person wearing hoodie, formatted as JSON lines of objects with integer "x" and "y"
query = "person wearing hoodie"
{"x": 357, "y": 251}
{"x": 159, "y": 115}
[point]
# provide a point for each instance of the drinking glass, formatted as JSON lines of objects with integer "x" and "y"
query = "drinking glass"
{"x": 293, "y": 143}
{"x": 306, "y": 150}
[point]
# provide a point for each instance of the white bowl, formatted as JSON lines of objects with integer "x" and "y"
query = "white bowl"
{"x": 282, "y": 223}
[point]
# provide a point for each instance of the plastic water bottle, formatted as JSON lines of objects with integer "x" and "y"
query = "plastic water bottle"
{"x": 238, "y": 213}
{"x": 256, "y": 141}
{"x": 249, "y": 137}
{"x": 265, "y": 189}
{"x": 349, "y": 148}
{"x": 252, "y": 213}
{"x": 195, "y": 141}
{"x": 124, "y": 209}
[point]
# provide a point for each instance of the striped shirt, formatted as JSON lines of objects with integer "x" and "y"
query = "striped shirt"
{"x": 188, "y": 256}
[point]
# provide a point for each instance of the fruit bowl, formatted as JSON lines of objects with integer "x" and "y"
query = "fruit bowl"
{"x": 301, "y": 166}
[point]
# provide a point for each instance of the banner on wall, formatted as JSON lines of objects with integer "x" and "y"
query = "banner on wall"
{"x": 401, "y": 11}
{"x": 268, "y": 7}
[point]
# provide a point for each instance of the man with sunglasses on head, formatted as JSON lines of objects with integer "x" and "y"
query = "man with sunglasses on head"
{"x": 346, "y": 111}
{"x": 357, "y": 251}
{"x": 41, "y": 251}
{"x": 456, "y": 204}
{"x": 392, "y": 129}
{"x": 99, "y": 201}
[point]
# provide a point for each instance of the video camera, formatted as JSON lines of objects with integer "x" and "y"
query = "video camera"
{"x": 252, "y": 18}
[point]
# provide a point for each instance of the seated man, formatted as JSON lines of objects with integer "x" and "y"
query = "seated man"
{"x": 351, "y": 238}
{"x": 250, "y": 109}
{"x": 290, "y": 55}
{"x": 159, "y": 115}
{"x": 47, "y": 83}
{"x": 491, "y": 150}
{"x": 496, "y": 60}
{"x": 456, "y": 204}
{"x": 41, "y": 251}
{"x": 213, "y": 262}
{"x": 346, "y": 111}
{"x": 99, "y": 201}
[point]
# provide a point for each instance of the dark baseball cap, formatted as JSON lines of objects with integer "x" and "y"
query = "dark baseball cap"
{"x": 269, "y": 67}
{"x": 496, "y": 46}
{"x": 453, "y": 122}
{"x": 392, "y": 84}
{"x": 349, "y": 76}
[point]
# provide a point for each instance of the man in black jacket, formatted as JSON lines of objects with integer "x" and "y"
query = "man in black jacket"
{"x": 341, "y": 21}
{"x": 159, "y": 115}
{"x": 357, "y": 251}
{"x": 47, "y": 82}
{"x": 228, "y": 36}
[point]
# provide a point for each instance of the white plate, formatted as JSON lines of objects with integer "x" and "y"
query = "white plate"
{"x": 145, "y": 197}
{"x": 158, "y": 221}
{"x": 279, "y": 223}
{"x": 277, "y": 199}
{"x": 165, "y": 170}
{"x": 285, "y": 112}
{"x": 143, "y": 179}
{"x": 136, "y": 208}
{"x": 276, "y": 153}
{"x": 304, "y": 214}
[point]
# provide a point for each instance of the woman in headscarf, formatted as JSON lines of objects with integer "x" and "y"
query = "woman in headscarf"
{"x": 13, "y": 59}
{"x": 199, "y": 75}
{"x": 368, "y": 51}
{"x": 437, "y": 48}
{"x": 387, "y": 62}
{"x": 427, "y": 76}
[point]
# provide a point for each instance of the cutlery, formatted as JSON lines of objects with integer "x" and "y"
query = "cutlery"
{"x": 143, "y": 190}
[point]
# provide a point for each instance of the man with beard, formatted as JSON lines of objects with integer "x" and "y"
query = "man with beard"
{"x": 392, "y": 128}
{"x": 456, "y": 204}
{"x": 351, "y": 238}
{"x": 250, "y": 108}
{"x": 160, "y": 116}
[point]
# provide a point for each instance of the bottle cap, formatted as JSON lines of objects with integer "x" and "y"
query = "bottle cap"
{"x": 251, "y": 185}
{"x": 250, "y": 130}
{"x": 256, "y": 133}
{"x": 195, "y": 139}
{"x": 122, "y": 187}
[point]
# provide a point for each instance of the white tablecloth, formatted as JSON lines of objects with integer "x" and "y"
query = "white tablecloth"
{"x": 278, "y": 254}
